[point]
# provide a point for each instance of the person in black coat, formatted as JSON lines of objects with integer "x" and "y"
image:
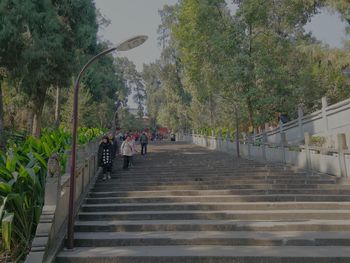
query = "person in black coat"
{"x": 105, "y": 155}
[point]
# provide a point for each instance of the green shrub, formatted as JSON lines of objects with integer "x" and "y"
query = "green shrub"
{"x": 318, "y": 141}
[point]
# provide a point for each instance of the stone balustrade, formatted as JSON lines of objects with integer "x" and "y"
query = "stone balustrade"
{"x": 52, "y": 228}
{"x": 334, "y": 161}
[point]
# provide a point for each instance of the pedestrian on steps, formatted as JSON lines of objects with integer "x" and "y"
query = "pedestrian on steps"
{"x": 144, "y": 142}
{"x": 105, "y": 152}
{"x": 113, "y": 140}
{"x": 134, "y": 150}
{"x": 127, "y": 151}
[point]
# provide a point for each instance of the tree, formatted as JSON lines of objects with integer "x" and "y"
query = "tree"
{"x": 79, "y": 29}
{"x": 12, "y": 43}
{"x": 153, "y": 90}
{"x": 174, "y": 99}
{"x": 48, "y": 37}
{"x": 134, "y": 82}
{"x": 129, "y": 122}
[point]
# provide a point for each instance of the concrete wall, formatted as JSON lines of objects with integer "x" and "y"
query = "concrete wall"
{"x": 326, "y": 122}
{"x": 304, "y": 156}
{"x": 52, "y": 228}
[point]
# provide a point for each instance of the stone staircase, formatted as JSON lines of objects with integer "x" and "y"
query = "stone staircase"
{"x": 183, "y": 203}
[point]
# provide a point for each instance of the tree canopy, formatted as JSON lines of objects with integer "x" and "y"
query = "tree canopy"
{"x": 257, "y": 61}
{"x": 43, "y": 45}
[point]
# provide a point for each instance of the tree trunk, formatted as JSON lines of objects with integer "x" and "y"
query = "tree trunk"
{"x": 115, "y": 121}
{"x": 58, "y": 108}
{"x": 211, "y": 111}
{"x": 251, "y": 67}
{"x": 2, "y": 124}
{"x": 250, "y": 112}
{"x": 237, "y": 132}
{"x": 30, "y": 118}
{"x": 37, "y": 112}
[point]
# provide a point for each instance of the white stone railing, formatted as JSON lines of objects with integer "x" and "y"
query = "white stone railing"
{"x": 325, "y": 160}
{"x": 327, "y": 122}
{"x": 52, "y": 227}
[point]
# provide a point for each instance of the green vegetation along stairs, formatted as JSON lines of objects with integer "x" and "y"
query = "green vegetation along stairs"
{"x": 183, "y": 203}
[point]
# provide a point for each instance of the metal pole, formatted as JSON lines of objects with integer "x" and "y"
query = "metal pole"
{"x": 71, "y": 212}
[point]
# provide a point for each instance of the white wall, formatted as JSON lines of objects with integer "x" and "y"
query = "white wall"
{"x": 327, "y": 122}
{"x": 304, "y": 157}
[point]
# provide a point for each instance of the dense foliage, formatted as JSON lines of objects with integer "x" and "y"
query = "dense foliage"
{"x": 43, "y": 45}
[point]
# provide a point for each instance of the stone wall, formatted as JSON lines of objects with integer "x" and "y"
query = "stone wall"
{"x": 326, "y": 122}
{"x": 334, "y": 161}
{"x": 52, "y": 228}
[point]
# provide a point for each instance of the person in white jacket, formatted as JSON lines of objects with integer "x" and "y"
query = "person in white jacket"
{"x": 126, "y": 149}
{"x": 134, "y": 151}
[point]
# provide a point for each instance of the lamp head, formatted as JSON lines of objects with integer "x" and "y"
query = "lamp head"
{"x": 131, "y": 43}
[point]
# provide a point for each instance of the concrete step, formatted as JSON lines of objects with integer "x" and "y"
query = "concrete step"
{"x": 227, "y": 214}
{"x": 185, "y": 204}
{"x": 215, "y": 181}
{"x": 214, "y": 177}
{"x": 199, "y": 164}
{"x": 173, "y": 187}
{"x": 217, "y": 192}
{"x": 224, "y": 238}
{"x": 206, "y": 254}
{"x": 213, "y": 206}
{"x": 211, "y": 225}
{"x": 218, "y": 173}
{"x": 210, "y": 170}
{"x": 221, "y": 198}
{"x": 130, "y": 182}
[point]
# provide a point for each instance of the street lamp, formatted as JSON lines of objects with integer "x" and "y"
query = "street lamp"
{"x": 124, "y": 46}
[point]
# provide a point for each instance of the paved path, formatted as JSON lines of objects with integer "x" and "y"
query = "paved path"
{"x": 184, "y": 203}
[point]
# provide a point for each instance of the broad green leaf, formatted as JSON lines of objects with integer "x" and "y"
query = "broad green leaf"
{"x": 6, "y": 227}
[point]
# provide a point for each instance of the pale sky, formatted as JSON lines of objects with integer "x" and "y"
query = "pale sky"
{"x": 133, "y": 17}
{"x": 140, "y": 17}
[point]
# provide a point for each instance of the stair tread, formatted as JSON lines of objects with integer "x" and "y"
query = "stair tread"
{"x": 211, "y": 222}
{"x": 230, "y": 195}
{"x": 218, "y": 191}
{"x": 213, "y": 251}
{"x": 158, "y": 212}
{"x": 215, "y": 203}
{"x": 215, "y": 234}
{"x": 155, "y": 212}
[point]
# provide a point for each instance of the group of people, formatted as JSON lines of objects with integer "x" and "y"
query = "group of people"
{"x": 109, "y": 147}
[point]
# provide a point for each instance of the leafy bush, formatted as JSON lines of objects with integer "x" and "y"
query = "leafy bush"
{"x": 318, "y": 141}
{"x": 22, "y": 181}
{"x": 207, "y": 131}
{"x": 86, "y": 135}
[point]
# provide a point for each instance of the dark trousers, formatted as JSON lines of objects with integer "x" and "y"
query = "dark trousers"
{"x": 107, "y": 168}
{"x": 126, "y": 161}
{"x": 143, "y": 148}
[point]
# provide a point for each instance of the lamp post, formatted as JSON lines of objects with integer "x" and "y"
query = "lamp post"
{"x": 124, "y": 46}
